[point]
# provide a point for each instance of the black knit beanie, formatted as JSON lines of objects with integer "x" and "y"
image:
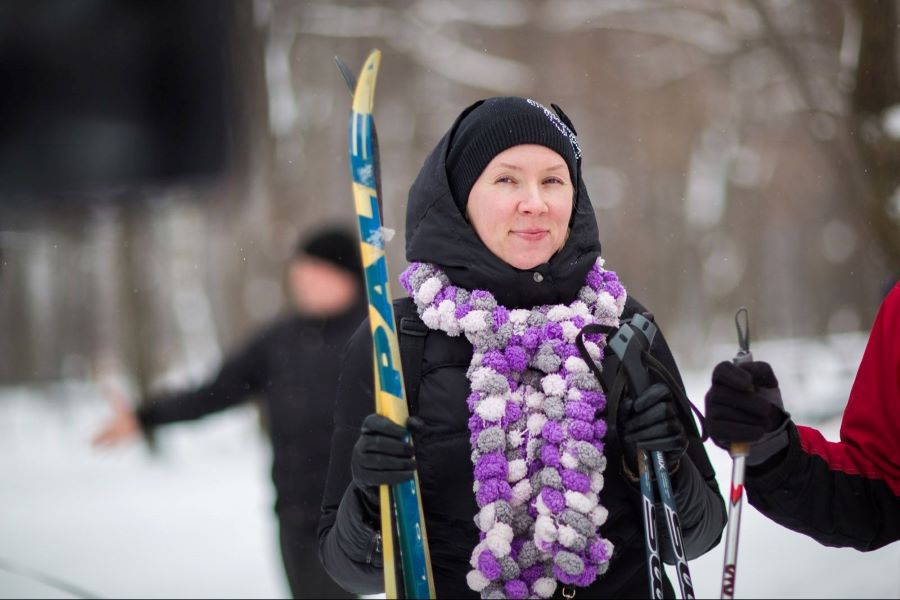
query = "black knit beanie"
{"x": 333, "y": 245}
{"x": 496, "y": 124}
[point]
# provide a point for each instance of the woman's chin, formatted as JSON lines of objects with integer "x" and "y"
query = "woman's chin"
{"x": 526, "y": 262}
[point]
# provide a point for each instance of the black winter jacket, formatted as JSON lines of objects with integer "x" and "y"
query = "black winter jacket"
{"x": 291, "y": 368}
{"x": 437, "y": 232}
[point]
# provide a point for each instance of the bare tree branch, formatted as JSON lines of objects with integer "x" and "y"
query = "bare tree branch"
{"x": 872, "y": 169}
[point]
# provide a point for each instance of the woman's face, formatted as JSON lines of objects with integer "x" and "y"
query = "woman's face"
{"x": 521, "y": 204}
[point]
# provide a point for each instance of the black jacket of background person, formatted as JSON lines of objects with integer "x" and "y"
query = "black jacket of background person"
{"x": 292, "y": 369}
{"x": 437, "y": 232}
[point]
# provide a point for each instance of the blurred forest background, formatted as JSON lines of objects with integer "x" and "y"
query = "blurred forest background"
{"x": 159, "y": 159}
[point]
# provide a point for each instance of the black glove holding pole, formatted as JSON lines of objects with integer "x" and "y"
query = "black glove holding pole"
{"x": 382, "y": 455}
{"x": 744, "y": 405}
{"x": 650, "y": 422}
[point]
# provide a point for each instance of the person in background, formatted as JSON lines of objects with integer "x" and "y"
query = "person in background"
{"x": 844, "y": 493}
{"x": 291, "y": 368}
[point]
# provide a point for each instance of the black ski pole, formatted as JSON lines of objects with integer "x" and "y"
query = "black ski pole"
{"x": 629, "y": 343}
{"x": 52, "y": 581}
{"x": 648, "y": 515}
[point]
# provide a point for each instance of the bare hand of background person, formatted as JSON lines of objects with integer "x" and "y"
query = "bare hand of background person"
{"x": 122, "y": 427}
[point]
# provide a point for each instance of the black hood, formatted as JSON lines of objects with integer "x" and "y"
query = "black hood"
{"x": 437, "y": 232}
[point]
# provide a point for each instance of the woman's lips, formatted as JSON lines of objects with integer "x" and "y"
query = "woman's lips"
{"x": 530, "y": 235}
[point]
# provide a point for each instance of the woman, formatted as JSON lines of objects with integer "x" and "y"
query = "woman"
{"x": 505, "y": 270}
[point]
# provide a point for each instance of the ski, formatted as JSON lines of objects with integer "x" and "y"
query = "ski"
{"x": 414, "y": 562}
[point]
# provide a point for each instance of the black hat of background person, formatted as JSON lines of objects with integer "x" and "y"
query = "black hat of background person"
{"x": 333, "y": 245}
{"x": 496, "y": 124}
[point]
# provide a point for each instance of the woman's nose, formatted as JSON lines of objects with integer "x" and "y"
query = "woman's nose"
{"x": 532, "y": 200}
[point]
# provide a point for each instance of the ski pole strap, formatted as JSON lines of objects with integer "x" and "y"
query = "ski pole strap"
{"x": 412, "y": 349}
{"x": 660, "y": 370}
{"x": 611, "y": 379}
{"x": 594, "y": 328}
{"x": 743, "y": 335}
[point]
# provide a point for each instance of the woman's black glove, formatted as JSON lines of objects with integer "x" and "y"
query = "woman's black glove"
{"x": 650, "y": 422}
{"x": 744, "y": 405}
{"x": 382, "y": 455}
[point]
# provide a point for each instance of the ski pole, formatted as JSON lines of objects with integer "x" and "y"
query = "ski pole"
{"x": 674, "y": 525}
{"x": 648, "y": 513}
{"x": 738, "y": 452}
{"x": 51, "y": 581}
{"x": 627, "y": 344}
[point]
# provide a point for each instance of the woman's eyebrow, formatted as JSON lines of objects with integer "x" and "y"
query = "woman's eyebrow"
{"x": 513, "y": 167}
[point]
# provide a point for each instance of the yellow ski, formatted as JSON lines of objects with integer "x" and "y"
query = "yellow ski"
{"x": 390, "y": 397}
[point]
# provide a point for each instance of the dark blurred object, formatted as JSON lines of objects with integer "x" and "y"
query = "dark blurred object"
{"x": 889, "y": 283}
{"x": 100, "y": 93}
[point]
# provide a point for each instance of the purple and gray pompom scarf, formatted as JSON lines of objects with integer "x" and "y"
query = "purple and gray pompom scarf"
{"x": 536, "y": 433}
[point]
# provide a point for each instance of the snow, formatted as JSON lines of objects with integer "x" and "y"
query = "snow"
{"x": 774, "y": 562}
{"x": 194, "y": 519}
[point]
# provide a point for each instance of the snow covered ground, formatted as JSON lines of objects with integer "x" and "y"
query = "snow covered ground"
{"x": 192, "y": 521}
{"x": 195, "y": 521}
{"x": 774, "y": 562}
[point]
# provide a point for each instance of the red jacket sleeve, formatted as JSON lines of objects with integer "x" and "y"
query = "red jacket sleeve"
{"x": 846, "y": 493}
{"x": 870, "y": 429}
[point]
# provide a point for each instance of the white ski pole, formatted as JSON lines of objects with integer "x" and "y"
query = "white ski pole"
{"x": 739, "y": 452}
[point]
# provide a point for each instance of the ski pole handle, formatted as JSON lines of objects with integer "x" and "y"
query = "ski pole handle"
{"x": 742, "y": 449}
{"x": 743, "y": 334}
